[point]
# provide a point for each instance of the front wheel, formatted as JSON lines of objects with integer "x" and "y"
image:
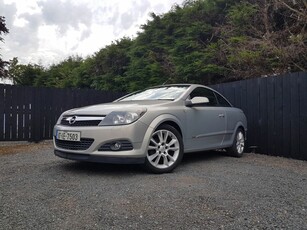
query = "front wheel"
{"x": 165, "y": 150}
{"x": 237, "y": 147}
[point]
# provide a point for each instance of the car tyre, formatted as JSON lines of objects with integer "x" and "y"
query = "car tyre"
{"x": 237, "y": 148}
{"x": 164, "y": 151}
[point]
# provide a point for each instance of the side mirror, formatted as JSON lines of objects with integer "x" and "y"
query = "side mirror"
{"x": 197, "y": 101}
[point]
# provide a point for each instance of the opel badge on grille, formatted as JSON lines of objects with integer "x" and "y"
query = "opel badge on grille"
{"x": 72, "y": 120}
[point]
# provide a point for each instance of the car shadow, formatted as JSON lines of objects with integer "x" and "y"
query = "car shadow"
{"x": 130, "y": 169}
{"x": 101, "y": 168}
{"x": 194, "y": 157}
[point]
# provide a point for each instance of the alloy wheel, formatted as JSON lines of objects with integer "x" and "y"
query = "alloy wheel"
{"x": 240, "y": 142}
{"x": 164, "y": 149}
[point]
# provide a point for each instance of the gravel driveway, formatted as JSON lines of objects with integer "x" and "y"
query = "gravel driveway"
{"x": 207, "y": 191}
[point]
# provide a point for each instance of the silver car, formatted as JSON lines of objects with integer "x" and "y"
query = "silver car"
{"x": 153, "y": 127}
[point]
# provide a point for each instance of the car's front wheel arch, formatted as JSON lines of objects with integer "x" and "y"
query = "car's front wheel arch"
{"x": 173, "y": 124}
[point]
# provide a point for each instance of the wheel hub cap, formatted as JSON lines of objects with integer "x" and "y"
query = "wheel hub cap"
{"x": 162, "y": 148}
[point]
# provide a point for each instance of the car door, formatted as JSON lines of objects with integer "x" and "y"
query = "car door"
{"x": 206, "y": 122}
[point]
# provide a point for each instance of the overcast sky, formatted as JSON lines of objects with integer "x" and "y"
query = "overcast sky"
{"x": 48, "y": 31}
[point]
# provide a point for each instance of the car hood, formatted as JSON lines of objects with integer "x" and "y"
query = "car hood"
{"x": 104, "y": 109}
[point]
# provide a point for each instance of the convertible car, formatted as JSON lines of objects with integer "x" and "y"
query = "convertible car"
{"x": 153, "y": 127}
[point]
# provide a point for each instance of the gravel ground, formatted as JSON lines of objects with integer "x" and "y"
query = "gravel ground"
{"x": 207, "y": 191}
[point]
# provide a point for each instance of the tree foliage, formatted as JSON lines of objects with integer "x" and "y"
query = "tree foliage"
{"x": 3, "y": 30}
{"x": 200, "y": 41}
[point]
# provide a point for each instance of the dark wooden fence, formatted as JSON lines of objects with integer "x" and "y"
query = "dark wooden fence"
{"x": 28, "y": 113}
{"x": 276, "y": 110}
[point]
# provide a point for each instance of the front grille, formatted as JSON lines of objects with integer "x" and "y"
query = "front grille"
{"x": 81, "y": 123}
{"x": 83, "y": 144}
{"x": 125, "y": 146}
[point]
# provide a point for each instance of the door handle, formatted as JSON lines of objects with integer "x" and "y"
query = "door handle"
{"x": 221, "y": 115}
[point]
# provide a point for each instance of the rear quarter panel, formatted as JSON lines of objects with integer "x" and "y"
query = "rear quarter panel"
{"x": 235, "y": 119}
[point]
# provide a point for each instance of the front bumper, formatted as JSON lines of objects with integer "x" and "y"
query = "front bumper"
{"x": 137, "y": 133}
{"x": 99, "y": 158}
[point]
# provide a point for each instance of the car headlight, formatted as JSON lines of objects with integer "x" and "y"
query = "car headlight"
{"x": 122, "y": 117}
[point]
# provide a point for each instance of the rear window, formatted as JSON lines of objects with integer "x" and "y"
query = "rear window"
{"x": 222, "y": 102}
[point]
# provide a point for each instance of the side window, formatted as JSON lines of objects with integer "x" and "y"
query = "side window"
{"x": 222, "y": 102}
{"x": 204, "y": 92}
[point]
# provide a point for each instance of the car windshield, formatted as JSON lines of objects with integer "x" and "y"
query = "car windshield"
{"x": 160, "y": 93}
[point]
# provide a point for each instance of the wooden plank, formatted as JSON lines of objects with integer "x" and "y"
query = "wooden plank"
{"x": 271, "y": 115}
{"x": 229, "y": 93}
{"x": 246, "y": 110}
{"x": 76, "y": 96}
{"x": 295, "y": 109}
{"x": 32, "y": 114}
{"x": 2, "y": 101}
{"x": 71, "y": 98}
{"x": 14, "y": 113}
{"x": 48, "y": 102}
{"x": 58, "y": 103}
{"x": 67, "y": 100}
{"x": 278, "y": 116}
{"x": 43, "y": 112}
{"x": 243, "y": 93}
{"x": 95, "y": 99}
{"x": 237, "y": 92}
{"x": 101, "y": 97}
{"x": 111, "y": 96}
{"x": 49, "y": 115}
{"x": 244, "y": 106}
{"x": 303, "y": 116}
{"x": 8, "y": 114}
{"x": 55, "y": 107}
{"x": 87, "y": 96}
{"x": 233, "y": 87}
{"x": 81, "y": 99}
{"x": 286, "y": 120}
{"x": 19, "y": 121}
{"x": 21, "y": 98}
{"x": 256, "y": 108}
{"x": 36, "y": 118}
{"x": 222, "y": 88}
{"x": 62, "y": 100}
{"x": 250, "y": 93}
{"x": 28, "y": 104}
{"x": 90, "y": 96}
{"x": 44, "y": 102}
{"x": 263, "y": 115}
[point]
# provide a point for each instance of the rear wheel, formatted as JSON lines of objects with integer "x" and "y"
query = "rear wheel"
{"x": 165, "y": 150}
{"x": 237, "y": 148}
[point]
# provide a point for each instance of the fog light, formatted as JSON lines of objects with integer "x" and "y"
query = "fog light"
{"x": 115, "y": 146}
